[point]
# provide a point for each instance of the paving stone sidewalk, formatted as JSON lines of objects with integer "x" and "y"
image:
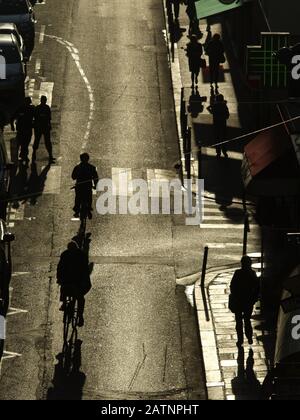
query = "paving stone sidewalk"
{"x": 232, "y": 373}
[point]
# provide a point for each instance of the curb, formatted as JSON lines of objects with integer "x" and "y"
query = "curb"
{"x": 214, "y": 382}
{"x": 215, "y": 387}
{"x": 176, "y": 86}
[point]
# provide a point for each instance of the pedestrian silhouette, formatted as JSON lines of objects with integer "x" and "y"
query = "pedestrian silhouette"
{"x": 244, "y": 289}
{"x": 220, "y": 113}
{"x": 86, "y": 178}
{"x": 42, "y": 127}
{"x": 24, "y": 117}
{"x": 73, "y": 275}
{"x": 194, "y": 21}
{"x": 215, "y": 51}
{"x": 194, "y": 52}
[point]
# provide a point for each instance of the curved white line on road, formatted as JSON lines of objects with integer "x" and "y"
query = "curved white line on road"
{"x": 75, "y": 55}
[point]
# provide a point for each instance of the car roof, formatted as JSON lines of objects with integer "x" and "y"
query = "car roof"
{"x": 8, "y": 26}
{"x": 7, "y": 39}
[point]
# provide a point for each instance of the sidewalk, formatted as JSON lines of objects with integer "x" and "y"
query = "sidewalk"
{"x": 230, "y": 373}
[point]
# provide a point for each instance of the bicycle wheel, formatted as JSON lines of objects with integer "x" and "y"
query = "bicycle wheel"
{"x": 68, "y": 316}
{"x": 75, "y": 314}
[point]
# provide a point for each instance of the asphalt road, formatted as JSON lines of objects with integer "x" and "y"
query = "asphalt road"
{"x": 105, "y": 66}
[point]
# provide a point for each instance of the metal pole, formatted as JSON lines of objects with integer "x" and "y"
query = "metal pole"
{"x": 199, "y": 163}
{"x": 188, "y": 153}
{"x": 246, "y": 230}
{"x": 204, "y": 265}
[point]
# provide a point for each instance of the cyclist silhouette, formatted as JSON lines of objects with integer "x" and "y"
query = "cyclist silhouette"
{"x": 86, "y": 178}
{"x": 73, "y": 276}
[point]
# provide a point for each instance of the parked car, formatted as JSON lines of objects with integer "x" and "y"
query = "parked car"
{"x": 13, "y": 79}
{"x": 20, "y": 12}
{"x": 5, "y": 178}
{"x": 10, "y": 28}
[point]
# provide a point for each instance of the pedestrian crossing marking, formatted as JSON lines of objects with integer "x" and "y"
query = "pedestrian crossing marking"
{"x": 38, "y": 65}
{"x": 42, "y": 34}
{"x": 10, "y": 355}
{"x": 46, "y": 89}
{"x": 15, "y": 311}
{"x": 224, "y": 226}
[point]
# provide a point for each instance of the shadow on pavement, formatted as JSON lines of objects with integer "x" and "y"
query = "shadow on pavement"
{"x": 190, "y": 342}
{"x": 27, "y": 187}
{"x": 246, "y": 386}
{"x": 68, "y": 385}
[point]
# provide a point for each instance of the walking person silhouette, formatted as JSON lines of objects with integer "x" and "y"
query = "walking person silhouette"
{"x": 244, "y": 289}
{"x": 42, "y": 127}
{"x": 194, "y": 52}
{"x": 215, "y": 51}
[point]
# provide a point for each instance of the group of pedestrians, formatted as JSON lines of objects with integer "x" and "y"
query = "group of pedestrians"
{"x": 28, "y": 118}
{"x": 214, "y": 49}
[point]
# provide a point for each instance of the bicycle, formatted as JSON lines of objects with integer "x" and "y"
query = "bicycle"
{"x": 70, "y": 318}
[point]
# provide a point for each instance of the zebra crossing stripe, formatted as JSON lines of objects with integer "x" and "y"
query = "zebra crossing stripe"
{"x": 46, "y": 89}
{"x": 224, "y": 226}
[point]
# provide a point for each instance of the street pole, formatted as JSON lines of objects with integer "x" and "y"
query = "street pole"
{"x": 204, "y": 265}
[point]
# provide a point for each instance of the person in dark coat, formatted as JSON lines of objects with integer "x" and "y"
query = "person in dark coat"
{"x": 215, "y": 51}
{"x": 194, "y": 21}
{"x": 24, "y": 124}
{"x": 73, "y": 276}
{"x": 194, "y": 52}
{"x": 220, "y": 112}
{"x": 86, "y": 178}
{"x": 42, "y": 127}
{"x": 244, "y": 289}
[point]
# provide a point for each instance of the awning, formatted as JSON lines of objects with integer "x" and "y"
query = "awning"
{"x": 206, "y": 8}
{"x": 269, "y": 147}
{"x": 265, "y": 149}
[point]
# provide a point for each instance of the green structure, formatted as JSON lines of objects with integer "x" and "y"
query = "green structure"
{"x": 206, "y": 8}
{"x": 262, "y": 62}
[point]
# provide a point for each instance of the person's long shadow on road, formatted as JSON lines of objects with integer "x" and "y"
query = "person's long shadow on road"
{"x": 246, "y": 386}
{"x": 18, "y": 184}
{"x": 36, "y": 183}
{"x": 68, "y": 385}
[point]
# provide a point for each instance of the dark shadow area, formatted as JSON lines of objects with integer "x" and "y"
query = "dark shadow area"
{"x": 1, "y": 349}
{"x": 246, "y": 385}
{"x": 222, "y": 178}
{"x": 268, "y": 340}
{"x": 27, "y": 184}
{"x": 19, "y": 186}
{"x": 68, "y": 384}
{"x": 190, "y": 344}
{"x": 36, "y": 183}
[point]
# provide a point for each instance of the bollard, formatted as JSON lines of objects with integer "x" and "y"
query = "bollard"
{"x": 204, "y": 265}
